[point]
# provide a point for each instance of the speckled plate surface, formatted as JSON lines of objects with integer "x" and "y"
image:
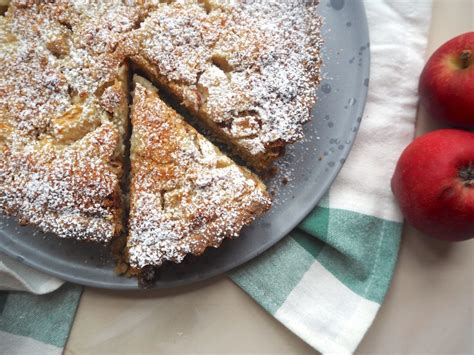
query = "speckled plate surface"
{"x": 306, "y": 173}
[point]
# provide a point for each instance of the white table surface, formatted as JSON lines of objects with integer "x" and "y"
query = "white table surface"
{"x": 428, "y": 309}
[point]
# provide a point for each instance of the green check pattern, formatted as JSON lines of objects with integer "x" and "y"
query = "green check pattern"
{"x": 359, "y": 250}
{"x": 46, "y": 319}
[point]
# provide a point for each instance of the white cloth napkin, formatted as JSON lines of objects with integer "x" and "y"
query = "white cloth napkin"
{"x": 15, "y": 276}
{"x": 398, "y": 40}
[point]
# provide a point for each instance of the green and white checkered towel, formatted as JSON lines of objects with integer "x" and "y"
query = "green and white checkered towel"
{"x": 328, "y": 278}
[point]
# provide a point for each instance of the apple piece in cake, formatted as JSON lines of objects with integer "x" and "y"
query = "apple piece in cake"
{"x": 185, "y": 195}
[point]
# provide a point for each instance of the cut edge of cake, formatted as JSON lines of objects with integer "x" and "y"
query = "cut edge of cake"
{"x": 260, "y": 162}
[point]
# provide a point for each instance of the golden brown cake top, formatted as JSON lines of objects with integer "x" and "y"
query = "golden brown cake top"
{"x": 68, "y": 190}
{"x": 49, "y": 74}
{"x": 185, "y": 194}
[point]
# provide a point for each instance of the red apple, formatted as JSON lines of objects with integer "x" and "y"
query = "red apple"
{"x": 434, "y": 184}
{"x": 447, "y": 82}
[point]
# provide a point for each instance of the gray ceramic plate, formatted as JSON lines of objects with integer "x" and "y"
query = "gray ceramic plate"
{"x": 309, "y": 166}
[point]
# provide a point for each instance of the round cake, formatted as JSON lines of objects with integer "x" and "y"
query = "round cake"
{"x": 247, "y": 71}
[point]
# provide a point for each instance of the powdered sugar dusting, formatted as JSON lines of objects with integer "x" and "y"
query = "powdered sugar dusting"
{"x": 185, "y": 194}
{"x": 70, "y": 191}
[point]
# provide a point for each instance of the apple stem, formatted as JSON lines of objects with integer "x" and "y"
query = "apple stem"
{"x": 467, "y": 175}
{"x": 466, "y": 58}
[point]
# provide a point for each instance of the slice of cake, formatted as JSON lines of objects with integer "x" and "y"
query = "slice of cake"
{"x": 63, "y": 120}
{"x": 248, "y": 70}
{"x": 185, "y": 194}
{"x": 71, "y": 190}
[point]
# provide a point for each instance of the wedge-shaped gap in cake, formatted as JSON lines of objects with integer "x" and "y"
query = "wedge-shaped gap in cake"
{"x": 237, "y": 58}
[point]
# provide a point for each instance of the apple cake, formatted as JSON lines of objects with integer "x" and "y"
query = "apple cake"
{"x": 185, "y": 195}
{"x": 247, "y": 69}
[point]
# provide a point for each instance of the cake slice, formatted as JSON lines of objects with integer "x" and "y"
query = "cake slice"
{"x": 185, "y": 195}
{"x": 73, "y": 191}
{"x": 247, "y": 70}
